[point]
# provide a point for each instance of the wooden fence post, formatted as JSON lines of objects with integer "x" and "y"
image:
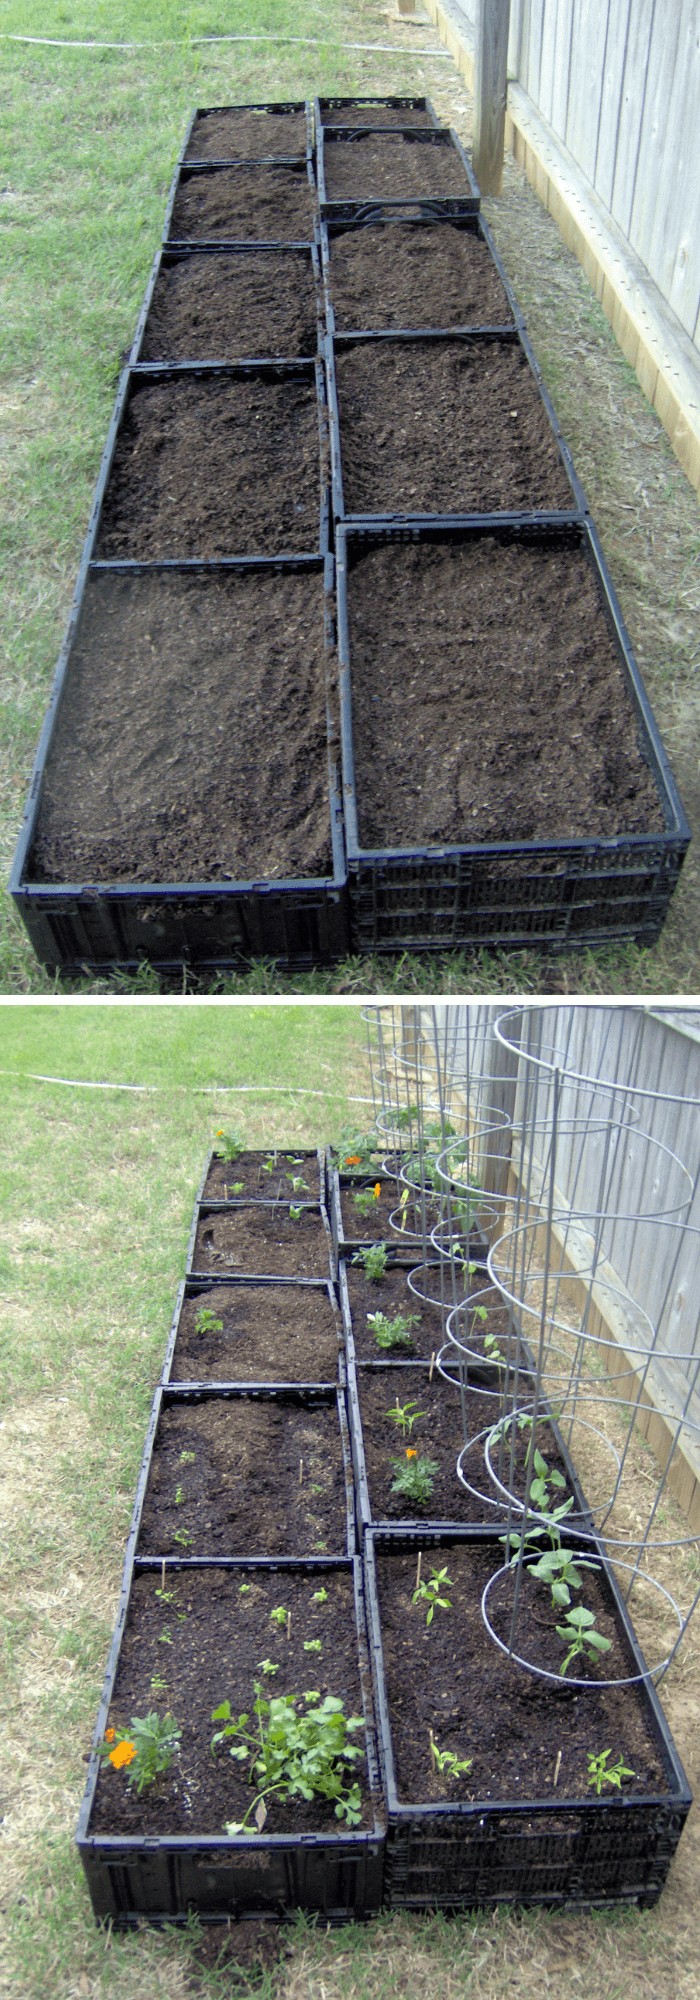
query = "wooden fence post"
{"x": 491, "y": 25}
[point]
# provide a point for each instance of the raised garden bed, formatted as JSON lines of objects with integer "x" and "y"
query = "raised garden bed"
{"x": 243, "y": 204}
{"x": 438, "y": 425}
{"x": 250, "y": 132}
{"x": 216, "y": 462}
{"x": 377, "y": 112}
{"x": 257, "y": 1240}
{"x": 393, "y": 1298}
{"x": 272, "y": 1176}
{"x": 413, "y": 274}
{"x": 278, "y": 1330}
{"x": 230, "y": 305}
{"x": 247, "y": 1473}
{"x": 166, "y": 1854}
{"x": 507, "y": 781}
{"x": 360, "y": 168}
{"x": 522, "y": 1824}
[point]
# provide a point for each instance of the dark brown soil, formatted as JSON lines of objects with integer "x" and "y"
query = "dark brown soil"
{"x": 270, "y": 1333}
{"x": 231, "y": 306}
{"x": 391, "y": 167}
{"x": 444, "y": 427}
{"x": 374, "y": 1225}
{"x": 191, "y": 743}
{"x": 414, "y": 275}
{"x": 451, "y": 1678}
{"x": 488, "y": 701}
{"x": 244, "y": 205}
{"x": 241, "y": 134}
{"x": 215, "y": 466}
{"x": 264, "y": 1242}
{"x": 264, "y": 1176}
{"x": 376, "y": 115}
{"x": 218, "y": 1637}
{"x": 242, "y": 1477}
{"x": 393, "y": 1296}
{"x": 437, "y": 1435}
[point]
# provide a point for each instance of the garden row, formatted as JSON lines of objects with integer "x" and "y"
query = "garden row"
{"x": 344, "y": 669}
{"x": 305, "y": 1703}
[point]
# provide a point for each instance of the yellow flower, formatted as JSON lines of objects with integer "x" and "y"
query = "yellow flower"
{"x": 377, "y": 1190}
{"x": 219, "y": 1135}
{"x": 353, "y": 1160}
{"x": 411, "y": 1451}
{"x": 123, "y": 1753}
{"x": 109, "y": 1736}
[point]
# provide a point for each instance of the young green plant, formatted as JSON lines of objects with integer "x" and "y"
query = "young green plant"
{"x": 294, "y": 1751}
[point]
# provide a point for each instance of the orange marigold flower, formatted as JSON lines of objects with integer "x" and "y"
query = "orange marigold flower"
{"x": 377, "y": 1190}
{"x": 123, "y": 1753}
{"x": 411, "y": 1451}
{"x": 219, "y": 1135}
{"x": 353, "y": 1160}
{"x": 109, "y": 1736}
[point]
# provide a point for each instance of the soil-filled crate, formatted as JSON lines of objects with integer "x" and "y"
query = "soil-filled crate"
{"x": 442, "y": 424}
{"x": 504, "y": 783}
{"x": 257, "y": 302}
{"x": 519, "y": 1821}
{"x": 242, "y": 204}
{"x": 390, "y": 1208}
{"x": 410, "y": 1426}
{"x": 210, "y": 461}
{"x": 397, "y": 1317}
{"x": 287, "y": 1239}
{"x": 254, "y": 1471}
{"x": 167, "y": 1854}
{"x": 414, "y": 275}
{"x": 185, "y": 803}
{"x": 279, "y": 1174}
{"x": 260, "y": 132}
{"x": 427, "y": 169}
{"x": 275, "y": 1330}
{"x": 376, "y": 113}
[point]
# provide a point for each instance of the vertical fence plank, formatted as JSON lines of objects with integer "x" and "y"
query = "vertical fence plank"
{"x": 490, "y": 94}
{"x": 583, "y": 112}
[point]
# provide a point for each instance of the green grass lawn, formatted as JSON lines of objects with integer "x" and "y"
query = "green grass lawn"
{"x": 90, "y": 137}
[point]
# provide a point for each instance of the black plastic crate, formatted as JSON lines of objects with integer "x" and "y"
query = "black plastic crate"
{"x": 275, "y": 112}
{"x": 269, "y": 1214}
{"x": 282, "y": 1292}
{"x": 274, "y": 1185}
{"x": 558, "y": 893}
{"x": 166, "y": 1878}
{"x": 300, "y": 258}
{"x": 294, "y": 178}
{"x": 557, "y": 1850}
{"x": 475, "y": 343}
{"x": 376, "y": 114}
{"x": 416, "y": 229}
{"x": 402, "y": 1246}
{"x": 283, "y": 1399}
{"x": 420, "y": 203}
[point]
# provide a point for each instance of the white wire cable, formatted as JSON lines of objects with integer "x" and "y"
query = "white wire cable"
{"x": 294, "y": 41}
{"x": 185, "y": 1089}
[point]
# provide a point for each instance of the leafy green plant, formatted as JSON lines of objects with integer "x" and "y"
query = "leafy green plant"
{"x": 313, "y": 1646}
{"x": 547, "y": 1480}
{"x": 428, "y": 1592}
{"x": 294, "y": 1752}
{"x": 405, "y": 1416}
{"x": 365, "y": 1200}
{"x": 183, "y": 1536}
{"x": 144, "y": 1750}
{"x": 373, "y": 1260}
{"x": 356, "y": 1152}
{"x": 231, "y": 1144}
{"x": 394, "y": 1332}
{"x": 561, "y": 1570}
{"x": 188, "y": 1457}
{"x": 319, "y": 1596}
{"x": 601, "y": 1773}
{"x": 279, "y": 1615}
{"x": 206, "y": 1321}
{"x": 268, "y": 1667}
{"x": 447, "y": 1763}
{"x": 298, "y": 1184}
{"x": 295, "y": 1211}
{"x": 179, "y": 1496}
{"x": 235, "y": 1187}
{"x": 414, "y": 1477}
{"x": 580, "y": 1634}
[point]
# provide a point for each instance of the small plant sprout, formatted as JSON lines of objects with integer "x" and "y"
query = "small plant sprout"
{"x": 319, "y": 1596}
{"x": 562, "y": 1572}
{"x": 158, "y": 1684}
{"x": 446, "y": 1762}
{"x": 414, "y": 1477}
{"x": 294, "y": 1752}
{"x": 313, "y": 1646}
{"x": 428, "y": 1592}
{"x": 396, "y": 1332}
{"x": 280, "y": 1615}
{"x": 295, "y": 1211}
{"x": 179, "y": 1496}
{"x": 268, "y": 1667}
{"x": 235, "y": 1187}
{"x": 405, "y": 1416}
{"x": 144, "y": 1750}
{"x": 366, "y": 1199}
{"x": 580, "y": 1634}
{"x": 230, "y": 1144}
{"x": 183, "y": 1536}
{"x": 244, "y": 1589}
{"x": 601, "y": 1773}
{"x": 373, "y": 1260}
{"x": 269, "y": 1164}
{"x": 297, "y": 1183}
{"x": 187, "y": 1457}
{"x": 206, "y": 1321}
{"x": 491, "y": 1348}
{"x": 546, "y": 1478}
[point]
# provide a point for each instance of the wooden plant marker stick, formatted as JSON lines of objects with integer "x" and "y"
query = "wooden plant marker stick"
{"x": 301, "y": 1471}
{"x": 432, "y": 1365}
{"x": 433, "y": 1758}
{"x": 162, "y": 1574}
{"x": 420, "y": 1559}
{"x": 557, "y": 1766}
{"x": 289, "y": 1624}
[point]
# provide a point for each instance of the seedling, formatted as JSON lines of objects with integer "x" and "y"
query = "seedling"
{"x": 313, "y": 1646}
{"x": 268, "y": 1165}
{"x": 206, "y": 1321}
{"x": 179, "y": 1496}
{"x": 279, "y": 1615}
{"x": 235, "y": 1187}
{"x": 319, "y": 1596}
{"x": 295, "y": 1211}
{"x": 580, "y": 1634}
{"x": 491, "y": 1348}
{"x": 414, "y": 1477}
{"x": 366, "y": 1199}
{"x": 405, "y": 1416}
{"x": 601, "y": 1773}
{"x": 373, "y": 1260}
{"x": 158, "y": 1684}
{"x": 298, "y": 1184}
{"x": 446, "y": 1762}
{"x": 558, "y": 1568}
{"x": 294, "y": 1752}
{"x": 546, "y": 1478}
{"x": 187, "y": 1457}
{"x": 268, "y": 1667}
{"x": 144, "y": 1750}
{"x": 429, "y": 1593}
{"x": 183, "y": 1536}
{"x": 394, "y": 1332}
{"x": 231, "y": 1144}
